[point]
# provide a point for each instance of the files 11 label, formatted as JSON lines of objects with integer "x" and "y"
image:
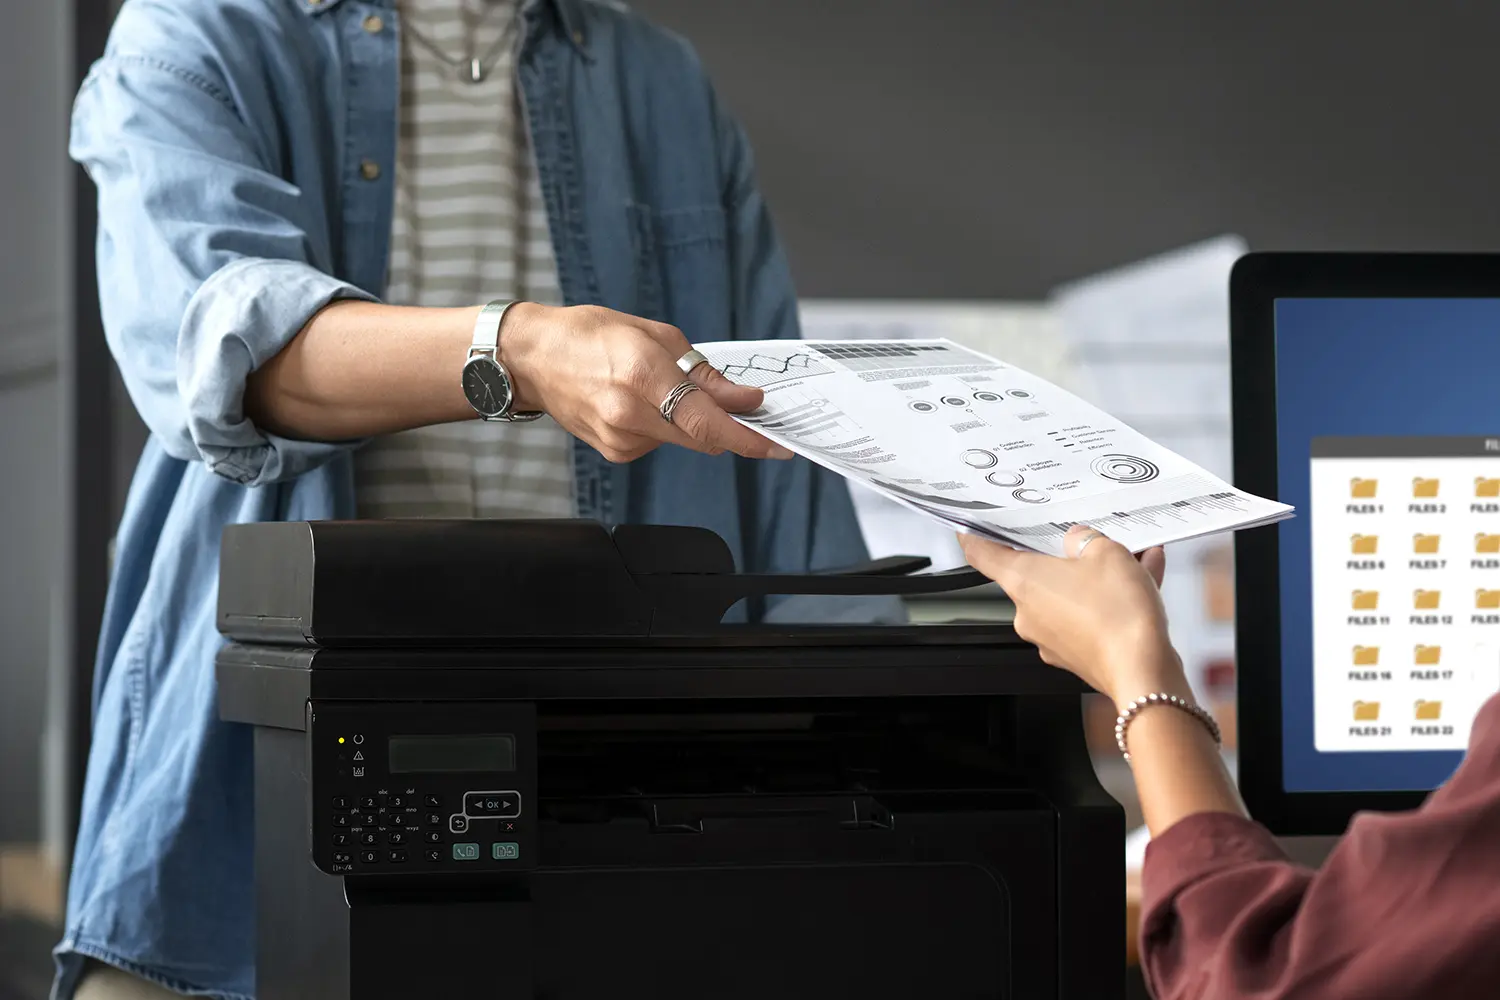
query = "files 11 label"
{"x": 1406, "y": 590}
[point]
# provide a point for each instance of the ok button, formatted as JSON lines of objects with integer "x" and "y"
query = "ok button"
{"x": 503, "y": 804}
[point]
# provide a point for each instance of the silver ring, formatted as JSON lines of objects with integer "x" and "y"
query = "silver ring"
{"x": 692, "y": 359}
{"x": 1093, "y": 535}
{"x": 679, "y": 391}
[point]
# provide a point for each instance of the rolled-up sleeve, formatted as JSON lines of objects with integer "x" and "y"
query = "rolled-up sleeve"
{"x": 210, "y": 262}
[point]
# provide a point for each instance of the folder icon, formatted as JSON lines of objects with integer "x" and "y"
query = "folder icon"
{"x": 1486, "y": 487}
{"x": 1366, "y": 600}
{"x": 1366, "y": 711}
{"x": 1425, "y": 544}
{"x": 1429, "y": 709}
{"x": 1366, "y": 656}
{"x": 1486, "y": 598}
{"x": 1364, "y": 545}
{"x": 1363, "y": 489}
{"x": 1427, "y": 600}
{"x": 1424, "y": 487}
{"x": 1487, "y": 543}
{"x": 1428, "y": 656}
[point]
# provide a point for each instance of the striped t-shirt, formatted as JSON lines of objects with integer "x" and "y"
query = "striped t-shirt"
{"x": 469, "y": 226}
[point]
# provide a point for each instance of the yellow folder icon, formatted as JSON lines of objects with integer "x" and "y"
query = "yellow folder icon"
{"x": 1425, "y": 544}
{"x": 1427, "y": 600}
{"x": 1486, "y": 598}
{"x": 1424, "y": 487}
{"x": 1429, "y": 709}
{"x": 1486, "y": 487}
{"x": 1363, "y": 489}
{"x": 1487, "y": 543}
{"x": 1366, "y": 656}
{"x": 1366, "y": 711}
{"x": 1428, "y": 655}
{"x": 1364, "y": 545}
{"x": 1366, "y": 600}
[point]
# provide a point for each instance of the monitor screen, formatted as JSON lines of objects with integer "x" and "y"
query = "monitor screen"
{"x": 1388, "y": 425}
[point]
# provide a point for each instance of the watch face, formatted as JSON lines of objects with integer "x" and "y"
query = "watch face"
{"x": 487, "y": 387}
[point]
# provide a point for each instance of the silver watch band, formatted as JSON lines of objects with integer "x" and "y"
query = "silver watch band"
{"x": 486, "y": 343}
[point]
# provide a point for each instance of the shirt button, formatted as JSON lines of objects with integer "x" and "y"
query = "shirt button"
{"x": 369, "y": 170}
{"x": 373, "y": 24}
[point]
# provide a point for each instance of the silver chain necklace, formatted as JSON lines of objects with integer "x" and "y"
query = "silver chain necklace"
{"x": 472, "y": 68}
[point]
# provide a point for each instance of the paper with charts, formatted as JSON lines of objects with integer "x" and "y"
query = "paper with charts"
{"x": 979, "y": 445}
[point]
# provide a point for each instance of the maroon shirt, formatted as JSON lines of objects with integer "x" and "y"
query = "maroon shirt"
{"x": 1406, "y": 906}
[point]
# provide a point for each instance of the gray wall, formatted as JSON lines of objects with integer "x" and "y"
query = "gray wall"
{"x": 979, "y": 148}
{"x": 34, "y": 277}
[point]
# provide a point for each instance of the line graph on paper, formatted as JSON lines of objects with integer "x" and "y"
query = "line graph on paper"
{"x": 758, "y": 367}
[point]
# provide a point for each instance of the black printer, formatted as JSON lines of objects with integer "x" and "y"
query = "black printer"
{"x": 581, "y": 785}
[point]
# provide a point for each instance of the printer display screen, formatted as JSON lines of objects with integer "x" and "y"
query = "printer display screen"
{"x": 437, "y": 754}
{"x": 1388, "y": 427}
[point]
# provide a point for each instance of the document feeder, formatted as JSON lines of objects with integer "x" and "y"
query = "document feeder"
{"x": 525, "y": 758}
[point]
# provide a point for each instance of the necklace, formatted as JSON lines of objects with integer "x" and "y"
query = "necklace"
{"x": 472, "y": 68}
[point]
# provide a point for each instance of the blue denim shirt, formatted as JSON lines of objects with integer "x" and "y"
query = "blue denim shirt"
{"x": 243, "y": 153}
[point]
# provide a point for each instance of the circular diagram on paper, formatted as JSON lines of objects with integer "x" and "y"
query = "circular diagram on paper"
{"x": 988, "y": 397}
{"x": 922, "y": 406}
{"x": 978, "y": 458}
{"x": 955, "y": 401}
{"x": 1124, "y": 469}
{"x": 1030, "y": 496}
{"x": 1018, "y": 394}
{"x": 1005, "y": 478}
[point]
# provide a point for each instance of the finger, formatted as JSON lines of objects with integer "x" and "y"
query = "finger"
{"x": 1077, "y": 544}
{"x": 729, "y": 395}
{"x": 1001, "y": 563}
{"x": 706, "y": 427}
{"x": 1155, "y": 561}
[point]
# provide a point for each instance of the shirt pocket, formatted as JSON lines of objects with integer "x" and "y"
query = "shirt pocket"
{"x": 683, "y": 268}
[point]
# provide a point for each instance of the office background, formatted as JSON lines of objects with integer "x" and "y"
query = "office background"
{"x": 924, "y": 148}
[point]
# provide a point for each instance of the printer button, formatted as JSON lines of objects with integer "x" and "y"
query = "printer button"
{"x": 370, "y": 857}
{"x": 434, "y": 819}
{"x": 434, "y": 855}
{"x": 395, "y": 801}
{"x": 465, "y": 852}
{"x": 342, "y": 857}
{"x": 434, "y": 836}
{"x": 395, "y": 837}
{"x": 340, "y": 802}
{"x": 367, "y": 802}
{"x": 340, "y": 840}
{"x": 458, "y": 823}
{"x": 369, "y": 839}
{"x": 431, "y": 801}
{"x": 397, "y": 857}
{"x": 342, "y": 819}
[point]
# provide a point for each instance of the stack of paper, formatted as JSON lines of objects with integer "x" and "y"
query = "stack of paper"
{"x": 979, "y": 445}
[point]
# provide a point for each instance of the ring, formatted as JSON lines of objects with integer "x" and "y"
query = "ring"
{"x": 1092, "y": 535}
{"x": 669, "y": 405}
{"x": 692, "y": 359}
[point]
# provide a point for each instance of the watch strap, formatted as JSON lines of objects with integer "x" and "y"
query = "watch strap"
{"x": 486, "y": 343}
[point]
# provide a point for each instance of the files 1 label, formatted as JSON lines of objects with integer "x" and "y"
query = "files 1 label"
{"x": 1406, "y": 590}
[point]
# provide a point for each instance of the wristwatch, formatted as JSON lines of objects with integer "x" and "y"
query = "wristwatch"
{"x": 487, "y": 385}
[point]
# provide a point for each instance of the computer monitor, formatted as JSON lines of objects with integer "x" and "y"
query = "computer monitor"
{"x": 1366, "y": 392}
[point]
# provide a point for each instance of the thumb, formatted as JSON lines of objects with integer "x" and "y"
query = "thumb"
{"x": 731, "y": 396}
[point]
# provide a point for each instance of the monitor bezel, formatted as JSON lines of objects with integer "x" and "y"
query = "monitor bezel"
{"x": 1256, "y": 282}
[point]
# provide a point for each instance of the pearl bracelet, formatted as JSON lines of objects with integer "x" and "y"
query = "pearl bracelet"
{"x": 1122, "y": 723}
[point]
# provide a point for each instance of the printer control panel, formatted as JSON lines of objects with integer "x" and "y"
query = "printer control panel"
{"x": 399, "y": 788}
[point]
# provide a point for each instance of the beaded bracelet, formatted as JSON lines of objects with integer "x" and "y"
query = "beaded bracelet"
{"x": 1122, "y": 723}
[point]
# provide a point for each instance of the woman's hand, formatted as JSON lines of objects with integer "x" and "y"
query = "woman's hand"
{"x": 1097, "y": 613}
{"x": 603, "y": 376}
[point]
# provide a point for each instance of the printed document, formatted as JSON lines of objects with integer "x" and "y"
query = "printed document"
{"x": 979, "y": 445}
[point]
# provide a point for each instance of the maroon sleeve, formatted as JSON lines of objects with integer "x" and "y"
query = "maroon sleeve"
{"x": 1407, "y": 905}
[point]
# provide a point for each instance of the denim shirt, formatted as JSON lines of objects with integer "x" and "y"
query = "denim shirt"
{"x": 243, "y": 152}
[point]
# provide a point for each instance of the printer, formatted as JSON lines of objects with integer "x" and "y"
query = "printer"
{"x": 583, "y": 784}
